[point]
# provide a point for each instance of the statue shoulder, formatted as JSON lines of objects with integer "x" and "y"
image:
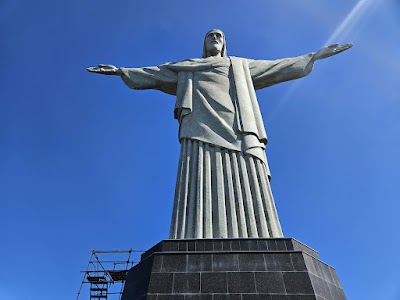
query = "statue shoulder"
{"x": 244, "y": 62}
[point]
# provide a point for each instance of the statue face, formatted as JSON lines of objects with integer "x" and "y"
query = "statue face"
{"x": 214, "y": 43}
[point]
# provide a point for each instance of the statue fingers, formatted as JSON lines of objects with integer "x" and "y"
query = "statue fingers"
{"x": 107, "y": 66}
{"x": 93, "y": 69}
{"x": 103, "y": 69}
{"x": 333, "y": 46}
{"x": 346, "y": 46}
{"x": 343, "y": 48}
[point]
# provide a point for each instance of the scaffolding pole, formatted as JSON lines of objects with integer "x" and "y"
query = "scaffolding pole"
{"x": 105, "y": 276}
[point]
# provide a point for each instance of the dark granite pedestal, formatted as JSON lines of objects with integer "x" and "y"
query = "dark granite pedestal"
{"x": 237, "y": 269}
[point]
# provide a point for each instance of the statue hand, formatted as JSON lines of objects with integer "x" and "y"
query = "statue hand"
{"x": 105, "y": 69}
{"x": 330, "y": 51}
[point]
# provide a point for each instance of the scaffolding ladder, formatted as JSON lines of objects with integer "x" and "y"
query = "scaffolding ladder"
{"x": 106, "y": 273}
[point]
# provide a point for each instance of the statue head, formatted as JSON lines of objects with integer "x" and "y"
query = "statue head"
{"x": 214, "y": 43}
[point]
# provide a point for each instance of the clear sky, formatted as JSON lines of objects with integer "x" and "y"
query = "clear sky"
{"x": 87, "y": 163}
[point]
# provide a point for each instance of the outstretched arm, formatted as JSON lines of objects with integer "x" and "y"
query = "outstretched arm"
{"x": 265, "y": 73}
{"x": 157, "y": 78}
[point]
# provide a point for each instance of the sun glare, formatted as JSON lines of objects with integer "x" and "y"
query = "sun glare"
{"x": 340, "y": 35}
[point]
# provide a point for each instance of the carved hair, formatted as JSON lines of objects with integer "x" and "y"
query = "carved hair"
{"x": 223, "y": 52}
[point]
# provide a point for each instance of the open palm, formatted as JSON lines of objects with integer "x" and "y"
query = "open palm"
{"x": 331, "y": 50}
{"x": 104, "y": 69}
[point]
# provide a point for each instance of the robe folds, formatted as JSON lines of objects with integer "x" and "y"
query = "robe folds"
{"x": 222, "y": 188}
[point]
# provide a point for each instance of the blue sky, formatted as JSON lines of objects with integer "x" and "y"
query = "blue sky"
{"x": 80, "y": 151}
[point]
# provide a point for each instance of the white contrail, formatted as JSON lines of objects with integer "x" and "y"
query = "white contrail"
{"x": 341, "y": 32}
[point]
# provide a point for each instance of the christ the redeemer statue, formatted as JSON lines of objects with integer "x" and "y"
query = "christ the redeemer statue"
{"x": 222, "y": 188}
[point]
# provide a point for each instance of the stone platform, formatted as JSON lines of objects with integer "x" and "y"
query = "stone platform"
{"x": 237, "y": 269}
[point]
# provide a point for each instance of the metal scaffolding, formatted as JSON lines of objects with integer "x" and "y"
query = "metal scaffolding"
{"x": 106, "y": 273}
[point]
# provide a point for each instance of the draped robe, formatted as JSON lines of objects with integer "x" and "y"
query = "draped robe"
{"x": 222, "y": 188}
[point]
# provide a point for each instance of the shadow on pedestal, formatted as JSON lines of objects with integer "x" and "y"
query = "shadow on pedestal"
{"x": 242, "y": 269}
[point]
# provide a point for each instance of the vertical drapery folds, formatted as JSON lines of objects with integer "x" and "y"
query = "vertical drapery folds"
{"x": 222, "y": 193}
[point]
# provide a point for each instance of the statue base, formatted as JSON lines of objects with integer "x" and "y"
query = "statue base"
{"x": 242, "y": 269}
